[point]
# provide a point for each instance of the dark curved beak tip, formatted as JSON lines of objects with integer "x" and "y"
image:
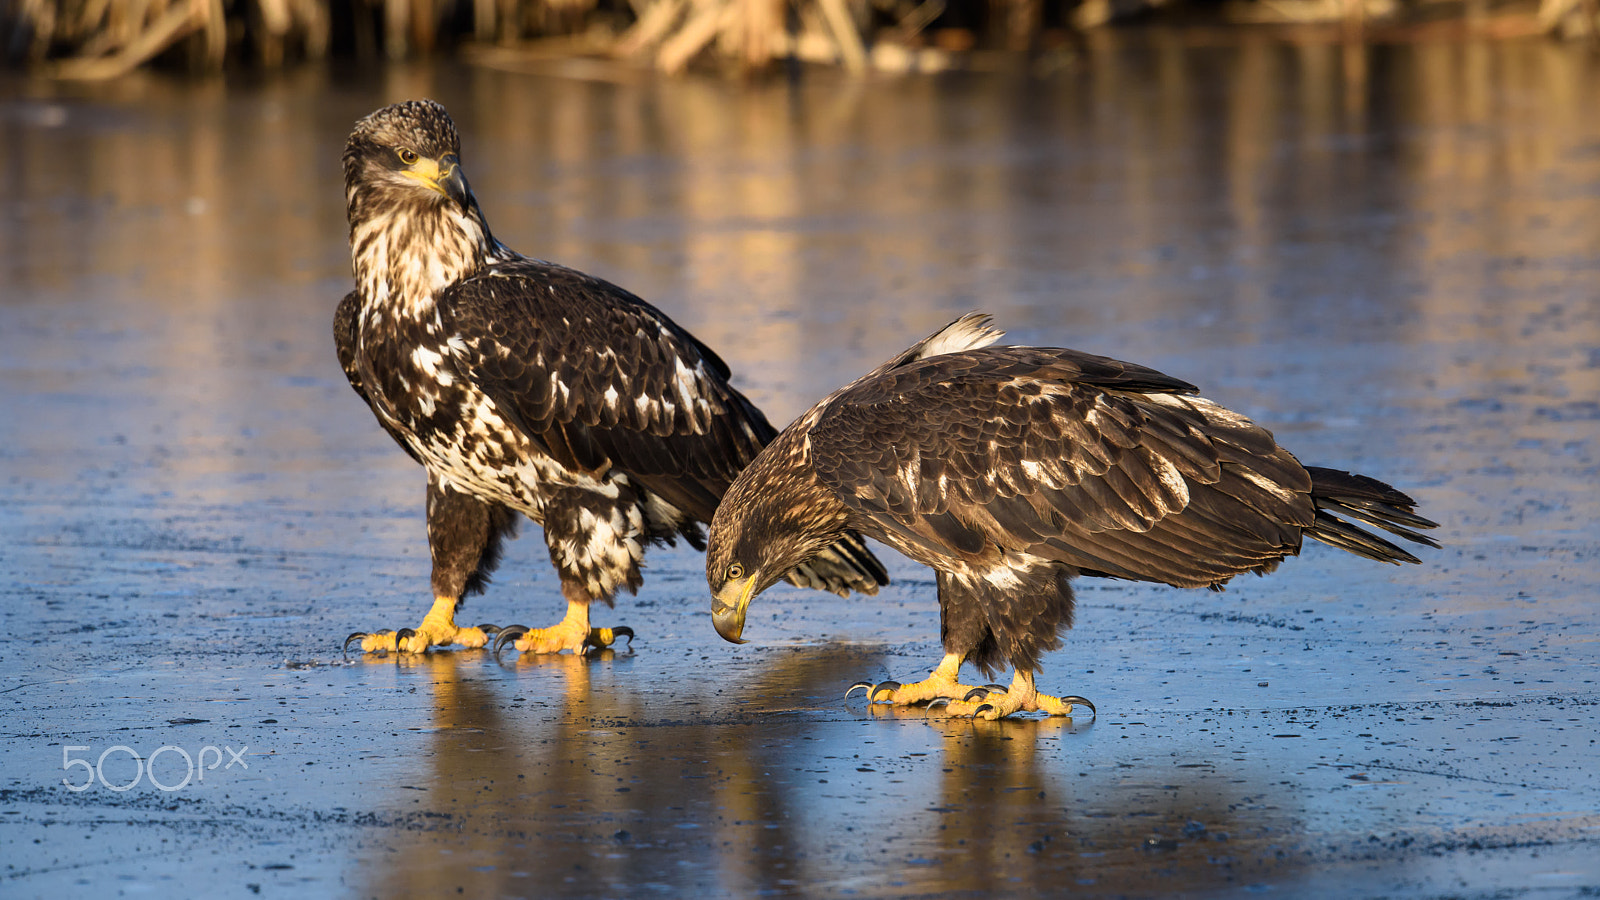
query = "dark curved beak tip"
{"x": 454, "y": 182}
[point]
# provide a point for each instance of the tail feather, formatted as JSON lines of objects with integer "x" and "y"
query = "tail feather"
{"x": 1365, "y": 500}
{"x": 847, "y": 565}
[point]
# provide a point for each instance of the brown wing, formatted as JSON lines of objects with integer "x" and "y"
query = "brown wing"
{"x": 344, "y": 341}
{"x": 602, "y": 378}
{"x": 1112, "y": 468}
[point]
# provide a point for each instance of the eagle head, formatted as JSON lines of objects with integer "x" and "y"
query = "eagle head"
{"x": 407, "y": 198}
{"x": 409, "y": 150}
{"x": 773, "y": 518}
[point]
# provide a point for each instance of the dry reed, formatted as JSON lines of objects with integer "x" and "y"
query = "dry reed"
{"x": 98, "y": 39}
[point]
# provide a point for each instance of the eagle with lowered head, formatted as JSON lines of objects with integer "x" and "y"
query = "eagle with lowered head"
{"x": 526, "y": 387}
{"x": 1011, "y": 470}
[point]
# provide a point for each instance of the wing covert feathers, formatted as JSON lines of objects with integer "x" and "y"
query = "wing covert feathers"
{"x": 1111, "y": 468}
{"x": 602, "y": 378}
{"x": 344, "y": 342}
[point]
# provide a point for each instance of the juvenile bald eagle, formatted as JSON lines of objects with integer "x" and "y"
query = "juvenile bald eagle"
{"x": 1010, "y": 470}
{"x": 525, "y": 387}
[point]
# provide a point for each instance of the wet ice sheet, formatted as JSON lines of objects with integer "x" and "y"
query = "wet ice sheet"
{"x": 628, "y": 775}
{"x": 1389, "y": 259}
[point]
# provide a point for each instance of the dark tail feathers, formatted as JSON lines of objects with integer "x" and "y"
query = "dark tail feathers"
{"x": 1367, "y": 500}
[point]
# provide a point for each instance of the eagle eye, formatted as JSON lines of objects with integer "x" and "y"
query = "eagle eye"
{"x": 735, "y": 572}
{"x": 408, "y": 156}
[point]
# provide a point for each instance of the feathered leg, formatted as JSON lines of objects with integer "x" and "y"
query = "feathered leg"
{"x": 1011, "y": 620}
{"x": 465, "y": 536}
{"x": 594, "y": 543}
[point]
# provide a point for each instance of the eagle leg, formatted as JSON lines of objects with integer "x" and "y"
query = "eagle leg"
{"x": 942, "y": 684}
{"x": 465, "y": 535}
{"x": 1022, "y": 696}
{"x": 438, "y": 629}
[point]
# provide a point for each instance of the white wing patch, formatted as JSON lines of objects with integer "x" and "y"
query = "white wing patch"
{"x": 1033, "y": 471}
{"x": 1011, "y": 573}
{"x": 1171, "y": 479}
{"x": 688, "y": 383}
{"x": 1271, "y": 487}
{"x": 910, "y": 471}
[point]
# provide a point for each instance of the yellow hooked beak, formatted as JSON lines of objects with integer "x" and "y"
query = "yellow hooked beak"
{"x": 442, "y": 175}
{"x": 728, "y": 608}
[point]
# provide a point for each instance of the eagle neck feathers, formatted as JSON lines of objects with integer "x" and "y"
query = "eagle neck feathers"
{"x": 407, "y": 250}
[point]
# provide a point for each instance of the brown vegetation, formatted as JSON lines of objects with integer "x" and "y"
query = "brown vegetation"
{"x": 97, "y": 39}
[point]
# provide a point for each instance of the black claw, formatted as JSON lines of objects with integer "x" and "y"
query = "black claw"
{"x": 979, "y": 693}
{"x": 1075, "y": 701}
{"x": 890, "y": 685}
{"x": 622, "y": 631}
{"x": 489, "y": 630}
{"x": 401, "y": 635}
{"x": 997, "y": 688}
{"x": 354, "y": 636}
{"x": 979, "y": 711}
{"x": 860, "y": 685}
{"x": 938, "y": 701}
{"x": 508, "y": 635}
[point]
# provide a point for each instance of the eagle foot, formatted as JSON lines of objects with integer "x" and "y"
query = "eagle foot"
{"x": 438, "y": 629}
{"x": 933, "y": 688}
{"x": 998, "y": 706}
{"x": 558, "y": 638}
{"x": 419, "y": 640}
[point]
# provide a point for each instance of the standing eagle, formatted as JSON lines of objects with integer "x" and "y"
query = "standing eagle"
{"x": 1010, "y": 470}
{"x": 525, "y": 387}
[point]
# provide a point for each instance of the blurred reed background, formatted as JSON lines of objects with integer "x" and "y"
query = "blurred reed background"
{"x": 98, "y": 39}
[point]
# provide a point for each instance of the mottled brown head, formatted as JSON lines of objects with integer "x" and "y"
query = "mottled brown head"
{"x": 414, "y": 223}
{"x": 408, "y": 150}
{"x": 774, "y": 517}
